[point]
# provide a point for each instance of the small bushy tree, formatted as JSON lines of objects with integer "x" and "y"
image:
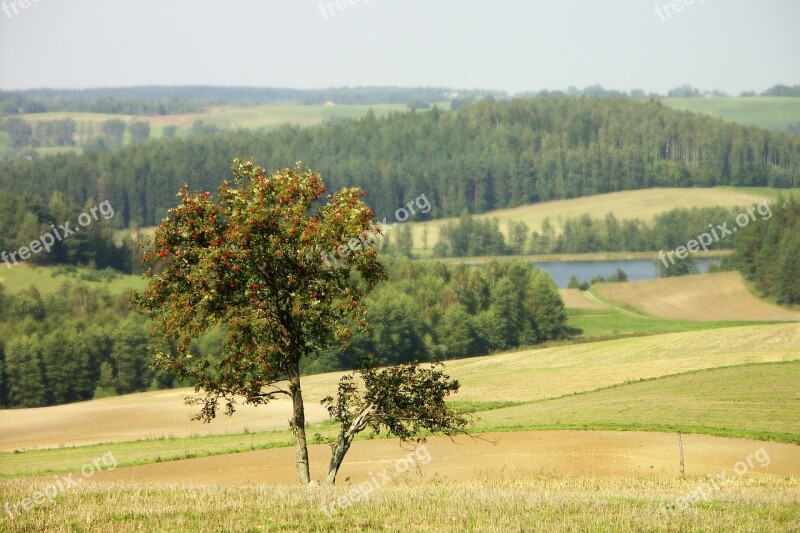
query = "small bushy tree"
{"x": 401, "y": 401}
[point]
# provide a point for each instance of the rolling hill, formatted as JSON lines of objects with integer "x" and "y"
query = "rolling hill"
{"x": 708, "y": 297}
{"x": 639, "y": 204}
{"x": 776, "y": 113}
{"x": 537, "y": 374}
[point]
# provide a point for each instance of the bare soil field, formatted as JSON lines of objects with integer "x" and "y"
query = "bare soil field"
{"x": 512, "y": 455}
{"x": 709, "y": 297}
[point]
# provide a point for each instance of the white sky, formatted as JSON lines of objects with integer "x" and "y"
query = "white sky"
{"x": 512, "y": 45}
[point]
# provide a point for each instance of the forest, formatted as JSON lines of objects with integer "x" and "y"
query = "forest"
{"x": 81, "y": 343}
{"x": 484, "y": 156}
{"x": 768, "y": 253}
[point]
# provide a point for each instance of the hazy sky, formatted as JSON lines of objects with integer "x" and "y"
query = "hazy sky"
{"x": 512, "y": 45}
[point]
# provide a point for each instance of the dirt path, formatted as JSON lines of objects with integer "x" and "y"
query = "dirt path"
{"x": 512, "y": 455}
{"x": 597, "y": 300}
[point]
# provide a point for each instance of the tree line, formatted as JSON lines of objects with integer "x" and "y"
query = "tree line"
{"x": 768, "y": 252}
{"x": 82, "y": 342}
{"x": 484, "y": 156}
{"x": 90, "y": 101}
{"x": 66, "y": 132}
{"x": 432, "y": 311}
{"x": 197, "y": 96}
{"x": 75, "y": 344}
{"x": 469, "y": 236}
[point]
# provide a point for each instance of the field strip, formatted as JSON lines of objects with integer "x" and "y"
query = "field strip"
{"x": 515, "y": 455}
{"x": 595, "y": 299}
{"x": 697, "y": 401}
{"x": 699, "y": 297}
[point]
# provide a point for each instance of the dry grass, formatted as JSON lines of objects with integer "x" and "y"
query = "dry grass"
{"x": 709, "y": 297}
{"x": 501, "y": 505}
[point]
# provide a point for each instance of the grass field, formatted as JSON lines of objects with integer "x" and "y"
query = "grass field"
{"x": 588, "y": 325}
{"x": 756, "y": 401}
{"x": 540, "y": 504}
{"x": 258, "y": 117}
{"x": 538, "y": 374}
{"x": 642, "y": 204}
{"x": 775, "y": 113}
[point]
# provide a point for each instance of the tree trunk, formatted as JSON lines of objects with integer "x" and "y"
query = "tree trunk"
{"x": 337, "y": 456}
{"x": 298, "y": 425}
{"x": 345, "y": 439}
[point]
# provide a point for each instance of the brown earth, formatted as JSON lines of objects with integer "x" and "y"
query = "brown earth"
{"x": 511, "y": 455}
{"x": 705, "y": 297}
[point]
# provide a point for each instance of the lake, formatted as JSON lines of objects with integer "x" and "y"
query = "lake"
{"x": 636, "y": 269}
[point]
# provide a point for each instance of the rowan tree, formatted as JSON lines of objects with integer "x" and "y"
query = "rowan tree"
{"x": 250, "y": 262}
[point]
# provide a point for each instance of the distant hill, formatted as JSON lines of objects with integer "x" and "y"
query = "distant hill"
{"x": 487, "y": 155}
{"x": 780, "y": 113}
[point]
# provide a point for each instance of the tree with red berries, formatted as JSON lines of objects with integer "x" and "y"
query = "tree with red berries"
{"x": 256, "y": 263}
{"x": 252, "y": 263}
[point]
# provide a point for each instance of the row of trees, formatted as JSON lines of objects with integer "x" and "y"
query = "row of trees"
{"x": 768, "y": 252}
{"x": 67, "y": 132}
{"x": 147, "y": 100}
{"x": 484, "y": 156}
{"x": 160, "y": 100}
{"x": 583, "y": 234}
{"x": 668, "y": 230}
{"x": 89, "y": 101}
